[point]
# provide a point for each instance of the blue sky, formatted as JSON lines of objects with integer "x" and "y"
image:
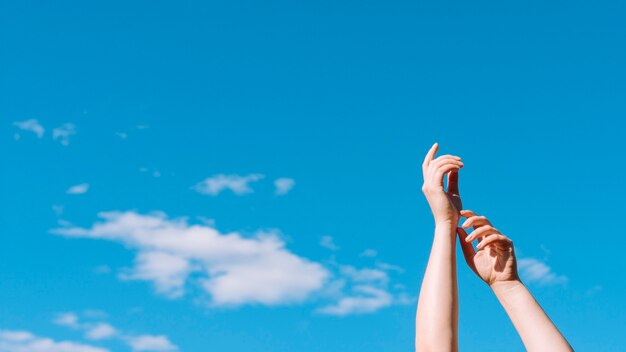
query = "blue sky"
{"x": 142, "y": 144}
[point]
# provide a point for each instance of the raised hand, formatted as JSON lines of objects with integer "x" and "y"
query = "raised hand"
{"x": 445, "y": 205}
{"x": 493, "y": 260}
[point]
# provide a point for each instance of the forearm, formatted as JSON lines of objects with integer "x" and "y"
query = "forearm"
{"x": 437, "y": 308}
{"x": 533, "y": 325}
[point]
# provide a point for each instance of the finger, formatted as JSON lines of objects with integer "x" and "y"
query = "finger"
{"x": 430, "y": 156}
{"x": 467, "y": 213}
{"x": 434, "y": 168}
{"x": 482, "y": 232}
{"x": 498, "y": 240}
{"x": 438, "y": 176}
{"x": 442, "y": 159}
{"x": 453, "y": 182}
{"x": 475, "y": 222}
{"x": 468, "y": 249}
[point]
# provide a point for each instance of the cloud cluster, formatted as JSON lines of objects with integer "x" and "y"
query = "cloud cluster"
{"x": 239, "y": 185}
{"x": 362, "y": 291}
{"x": 534, "y": 270}
{"x": 100, "y": 330}
{"x": 78, "y": 189}
{"x": 25, "y": 341}
{"x": 283, "y": 185}
{"x": 31, "y": 125}
{"x": 231, "y": 268}
{"x": 62, "y": 133}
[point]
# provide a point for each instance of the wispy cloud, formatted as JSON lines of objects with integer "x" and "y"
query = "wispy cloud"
{"x": 121, "y": 135}
{"x": 239, "y": 185}
{"x": 31, "y": 125}
{"x": 100, "y": 331}
{"x": 365, "y": 290}
{"x": 67, "y": 319}
{"x": 369, "y": 253}
{"x": 95, "y": 329}
{"x": 364, "y": 299}
{"x": 78, "y": 189}
{"x": 283, "y": 185}
{"x": 63, "y": 133}
{"x": 232, "y": 269}
{"x": 151, "y": 343}
{"x": 534, "y": 270}
{"x": 154, "y": 173}
{"x": 25, "y": 341}
{"x": 328, "y": 242}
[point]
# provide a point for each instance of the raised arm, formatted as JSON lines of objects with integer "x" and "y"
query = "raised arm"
{"x": 494, "y": 262}
{"x": 436, "y": 322}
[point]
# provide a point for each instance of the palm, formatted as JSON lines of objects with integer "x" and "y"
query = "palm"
{"x": 494, "y": 257}
{"x": 495, "y": 264}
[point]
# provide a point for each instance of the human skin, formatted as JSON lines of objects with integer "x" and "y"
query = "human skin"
{"x": 494, "y": 262}
{"x": 436, "y": 320}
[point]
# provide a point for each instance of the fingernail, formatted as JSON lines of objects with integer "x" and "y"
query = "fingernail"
{"x": 464, "y": 225}
{"x": 468, "y": 239}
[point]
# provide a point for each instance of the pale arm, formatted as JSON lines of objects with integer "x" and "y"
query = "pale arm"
{"x": 494, "y": 262}
{"x": 532, "y": 324}
{"x": 436, "y": 321}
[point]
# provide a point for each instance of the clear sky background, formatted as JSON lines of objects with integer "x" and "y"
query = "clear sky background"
{"x": 177, "y": 119}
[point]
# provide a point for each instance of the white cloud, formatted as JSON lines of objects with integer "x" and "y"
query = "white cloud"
{"x": 365, "y": 275}
{"x": 360, "y": 291}
{"x": 328, "y": 242}
{"x": 100, "y": 331}
{"x": 239, "y": 185}
{"x": 67, "y": 319}
{"x": 370, "y": 253}
{"x": 24, "y": 341}
{"x": 31, "y": 125}
{"x": 534, "y": 270}
{"x": 168, "y": 272}
{"x": 78, "y": 189}
{"x": 63, "y": 133}
{"x": 284, "y": 185}
{"x": 232, "y": 269}
{"x": 389, "y": 267}
{"x": 365, "y": 299}
{"x": 122, "y": 135}
{"x": 151, "y": 343}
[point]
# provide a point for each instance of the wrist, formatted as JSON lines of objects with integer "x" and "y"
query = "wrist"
{"x": 502, "y": 288}
{"x": 447, "y": 223}
{"x": 445, "y": 227}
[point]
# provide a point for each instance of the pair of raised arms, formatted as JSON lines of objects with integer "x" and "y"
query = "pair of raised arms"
{"x": 493, "y": 261}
